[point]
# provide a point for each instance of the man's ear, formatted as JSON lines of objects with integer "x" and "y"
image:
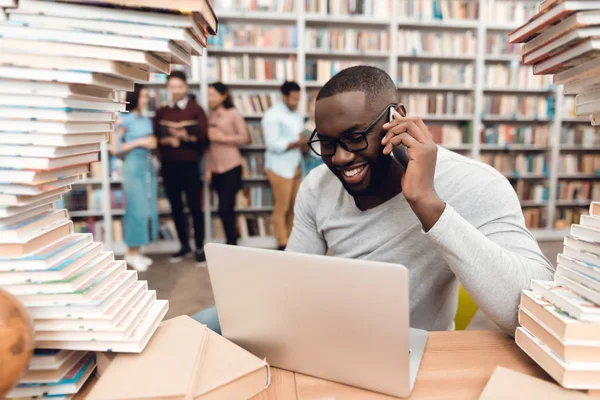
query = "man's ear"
{"x": 401, "y": 110}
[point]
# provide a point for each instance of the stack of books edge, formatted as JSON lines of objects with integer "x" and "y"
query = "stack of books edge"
{"x": 563, "y": 40}
{"x": 560, "y": 319}
{"x": 62, "y": 65}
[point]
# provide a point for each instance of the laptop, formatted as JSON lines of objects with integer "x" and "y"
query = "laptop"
{"x": 338, "y": 319}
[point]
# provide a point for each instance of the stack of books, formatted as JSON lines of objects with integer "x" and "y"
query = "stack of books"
{"x": 61, "y": 65}
{"x": 560, "y": 319}
{"x": 562, "y": 40}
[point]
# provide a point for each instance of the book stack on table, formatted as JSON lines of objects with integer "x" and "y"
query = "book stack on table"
{"x": 560, "y": 320}
{"x": 62, "y": 64}
{"x": 563, "y": 40}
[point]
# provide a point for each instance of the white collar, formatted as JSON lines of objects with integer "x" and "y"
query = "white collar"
{"x": 182, "y": 104}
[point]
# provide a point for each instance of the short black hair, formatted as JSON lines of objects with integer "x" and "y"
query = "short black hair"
{"x": 289, "y": 86}
{"x": 179, "y": 74}
{"x": 224, "y": 90}
{"x": 132, "y": 98}
{"x": 372, "y": 81}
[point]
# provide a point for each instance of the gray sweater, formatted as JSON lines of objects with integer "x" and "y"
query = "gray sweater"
{"x": 480, "y": 240}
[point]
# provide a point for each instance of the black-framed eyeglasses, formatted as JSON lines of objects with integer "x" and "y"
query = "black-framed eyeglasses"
{"x": 352, "y": 142}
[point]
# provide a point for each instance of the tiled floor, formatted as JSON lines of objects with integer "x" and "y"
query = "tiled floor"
{"x": 187, "y": 287}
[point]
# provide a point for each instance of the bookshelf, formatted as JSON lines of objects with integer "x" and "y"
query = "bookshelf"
{"x": 386, "y": 39}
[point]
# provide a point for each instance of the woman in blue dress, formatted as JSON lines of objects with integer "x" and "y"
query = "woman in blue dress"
{"x": 134, "y": 140}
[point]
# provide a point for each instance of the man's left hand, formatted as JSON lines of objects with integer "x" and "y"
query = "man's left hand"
{"x": 418, "y": 179}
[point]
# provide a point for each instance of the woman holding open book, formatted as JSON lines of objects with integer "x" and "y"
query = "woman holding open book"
{"x": 223, "y": 161}
{"x": 134, "y": 141}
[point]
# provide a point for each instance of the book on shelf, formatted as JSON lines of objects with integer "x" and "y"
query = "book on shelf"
{"x": 437, "y": 104}
{"x": 428, "y": 10}
{"x": 534, "y": 218}
{"x": 509, "y": 12}
{"x": 580, "y": 164}
{"x": 433, "y": 74}
{"x": 249, "y": 103}
{"x": 57, "y": 103}
{"x": 235, "y": 35}
{"x": 373, "y": 8}
{"x": 206, "y": 364}
{"x": 514, "y": 76}
{"x": 506, "y": 135}
{"x": 254, "y": 68}
{"x": 518, "y": 165}
{"x": 272, "y": 6}
{"x": 322, "y": 70}
{"x": 567, "y": 216}
{"x": 510, "y": 106}
{"x": 560, "y": 319}
{"x": 574, "y": 190}
{"x": 452, "y": 135}
{"x": 497, "y": 44}
{"x": 346, "y": 40}
{"x": 417, "y": 42}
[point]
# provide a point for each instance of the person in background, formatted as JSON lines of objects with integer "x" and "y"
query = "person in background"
{"x": 311, "y": 159}
{"x": 134, "y": 141}
{"x": 181, "y": 128}
{"x": 223, "y": 162}
{"x": 282, "y": 128}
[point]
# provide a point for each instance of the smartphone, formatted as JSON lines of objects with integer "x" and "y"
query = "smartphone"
{"x": 398, "y": 153}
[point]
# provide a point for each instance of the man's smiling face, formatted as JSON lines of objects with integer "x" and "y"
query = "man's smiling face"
{"x": 360, "y": 172}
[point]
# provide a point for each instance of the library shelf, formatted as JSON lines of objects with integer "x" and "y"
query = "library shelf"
{"x": 533, "y": 203}
{"x": 348, "y": 54}
{"x": 316, "y": 19}
{"x": 511, "y": 90}
{"x": 513, "y": 147}
{"x": 573, "y": 203}
{"x": 253, "y": 115}
{"x": 253, "y": 50}
{"x": 501, "y": 27}
{"x": 254, "y": 83}
{"x": 462, "y": 147}
{"x": 532, "y": 176}
{"x": 576, "y": 147}
{"x": 436, "y": 88}
{"x": 513, "y": 118}
{"x": 578, "y": 120}
{"x": 258, "y": 16}
{"x": 439, "y": 23}
{"x": 579, "y": 176}
{"x": 440, "y": 57}
{"x": 549, "y": 234}
{"x": 86, "y": 213}
{"x": 88, "y": 181}
{"x": 446, "y": 117}
{"x": 253, "y": 147}
{"x": 503, "y": 58}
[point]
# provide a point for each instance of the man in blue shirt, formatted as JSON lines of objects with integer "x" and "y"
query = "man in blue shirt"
{"x": 282, "y": 128}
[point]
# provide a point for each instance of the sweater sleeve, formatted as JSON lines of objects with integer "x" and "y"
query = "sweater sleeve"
{"x": 496, "y": 259}
{"x": 240, "y": 129}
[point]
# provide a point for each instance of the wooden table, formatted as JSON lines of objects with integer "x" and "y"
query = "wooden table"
{"x": 456, "y": 365}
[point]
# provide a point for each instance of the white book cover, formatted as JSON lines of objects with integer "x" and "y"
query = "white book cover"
{"x": 135, "y": 343}
{"x": 85, "y": 271}
{"x": 93, "y": 79}
{"x": 591, "y": 221}
{"x": 579, "y": 267}
{"x": 55, "y": 89}
{"x": 36, "y": 177}
{"x": 579, "y": 284}
{"x": 591, "y": 259}
{"x": 45, "y": 139}
{"x": 113, "y": 314}
{"x": 48, "y": 360}
{"x": 582, "y": 245}
{"x": 120, "y": 332}
{"x": 97, "y": 306}
{"x": 70, "y": 384}
{"x": 27, "y": 215}
{"x": 524, "y": 337}
{"x": 55, "y": 128}
{"x": 15, "y": 212}
{"x": 55, "y": 114}
{"x": 22, "y": 231}
{"x": 567, "y": 300}
{"x": 590, "y": 343}
{"x": 52, "y": 257}
{"x": 73, "y": 102}
{"x": 8, "y": 200}
{"x": 47, "y": 151}
{"x": 65, "y": 269}
{"x": 35, "y": 190}
{"x": 585, "y": 233}
{"x": 27, "y": 237}
{"x": 46, "y": 163}
{"x": 56, "y": 375}
{"x": 85, "y": 294}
